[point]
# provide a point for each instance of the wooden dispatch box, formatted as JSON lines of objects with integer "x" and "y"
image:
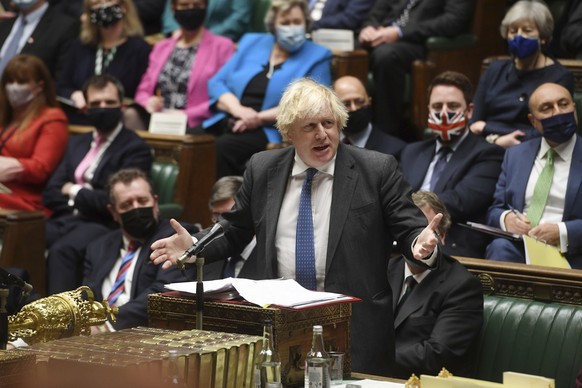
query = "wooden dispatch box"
{"x": 293, "y": 329}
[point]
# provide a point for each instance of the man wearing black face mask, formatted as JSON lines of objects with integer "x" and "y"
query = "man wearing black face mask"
{"x": 538, "y": 192}
{"x": 116, "y": 265}
{"x": 359, "y": 130}
{"x": 461, "y": 168}
{"x": 75, "y": 193}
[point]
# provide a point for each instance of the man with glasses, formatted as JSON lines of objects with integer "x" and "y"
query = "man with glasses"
{"x": 359, "y": 130}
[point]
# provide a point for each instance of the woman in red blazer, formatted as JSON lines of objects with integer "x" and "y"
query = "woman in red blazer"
{"x": 33, "y": 133}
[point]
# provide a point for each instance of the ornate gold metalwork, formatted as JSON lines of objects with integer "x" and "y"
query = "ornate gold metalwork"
{"x": 445, "y": 373}
{"x": 58, "y": 316}
{"x": 412, "y": 382}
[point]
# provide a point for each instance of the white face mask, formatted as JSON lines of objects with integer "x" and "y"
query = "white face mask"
{"x": 19, "y": 95}
{"x": 291, "y": 38}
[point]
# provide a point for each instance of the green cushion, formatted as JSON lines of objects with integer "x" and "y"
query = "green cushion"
{"x": 260, "y": 8}
{"x": 530, "y": 337}
{"x": 439, "y": 43}
{"x": 164, "y": 177}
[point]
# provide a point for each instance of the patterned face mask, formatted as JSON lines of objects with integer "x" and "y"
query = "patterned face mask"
{"x": 447, "y": 125}
{"x": 106, "y": 16}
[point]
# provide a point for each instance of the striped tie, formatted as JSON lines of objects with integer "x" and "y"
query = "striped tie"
{"x": 119, "y": 285}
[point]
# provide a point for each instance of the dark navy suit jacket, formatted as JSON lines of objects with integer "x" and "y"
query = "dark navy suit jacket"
{"x": 387, "y": 144}
{"x": 343, "y": 14}
{"x": 510, "y": 190}
{"x": 466, "y": 187}
{"x": 148, "y": 278}
{"x": 126, "y": 150}
{"x": 439, "y": 322}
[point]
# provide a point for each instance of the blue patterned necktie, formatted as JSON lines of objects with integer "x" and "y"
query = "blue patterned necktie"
{"x": 12, "y": 48}
{"x": 304, "y": 242}
{"x": 119, "y": 285}
{"x": 439, "y": 166}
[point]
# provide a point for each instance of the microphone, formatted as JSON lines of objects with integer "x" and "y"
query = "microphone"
{"x": 9, "y": 279}
{"x": 195, "y": 249}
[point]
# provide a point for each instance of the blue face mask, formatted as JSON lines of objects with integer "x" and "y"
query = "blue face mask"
{"x": 559, "y": 128}
{"x": 290, "y": 38}
{"x": 522, "y": 47}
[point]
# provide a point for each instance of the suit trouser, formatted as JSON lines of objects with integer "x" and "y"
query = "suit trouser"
{"x": 389, "y": 64}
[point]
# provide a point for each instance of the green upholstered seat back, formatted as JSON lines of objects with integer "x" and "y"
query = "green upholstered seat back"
{"x": 530, "y": 337}
{"x": 164, "y": 177}
{"x": 260, "y": 8}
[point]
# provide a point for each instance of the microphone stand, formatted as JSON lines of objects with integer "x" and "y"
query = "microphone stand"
{"x": 3, "y": 316}
{"x": 199, "y": 292}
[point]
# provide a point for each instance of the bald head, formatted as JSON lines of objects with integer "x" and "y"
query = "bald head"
{"x": 547, "y": 101}
{"x": 352, "y": 92}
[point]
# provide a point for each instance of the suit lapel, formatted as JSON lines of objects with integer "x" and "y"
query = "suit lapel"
{"x": 395, "y": 279}
{"x": 110, "y": 255}
{"x": 421, "y": 294}
{"x": 519, "y": 179}
{"x": 574, "y": 179}
{"x": 454, "y": 163}
{"x": 344, "y": 185}
{"x": 424, "y": 157}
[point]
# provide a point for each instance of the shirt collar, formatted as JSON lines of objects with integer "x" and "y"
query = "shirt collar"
{"x": 299, "y": 166}
{"x": 361, "y": 138}
{"x": 564, "y": 150}
{"x": 419, "y": 277}
{"x": 35, "y": 15}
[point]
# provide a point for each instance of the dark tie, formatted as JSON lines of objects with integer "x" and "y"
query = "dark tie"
{"x": 410, "y": 282}
{"x": 12, "y": 48}
{"x": 404, "y": 17}
{"x": 304, "y": 245}
{"x": 119, "y": 285}
{"x": 439, "y": 166}
{"x": 229, "y": 269}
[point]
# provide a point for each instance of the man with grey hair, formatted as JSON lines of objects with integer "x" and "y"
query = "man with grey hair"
{"x": 326, "y": 215}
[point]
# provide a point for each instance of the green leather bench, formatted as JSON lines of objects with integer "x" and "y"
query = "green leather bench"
{"x": 532, "y": 321}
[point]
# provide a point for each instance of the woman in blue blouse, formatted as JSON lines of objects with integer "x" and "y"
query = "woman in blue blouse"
{"x": 501, "y": 99}
{"x": 245, "y": 93}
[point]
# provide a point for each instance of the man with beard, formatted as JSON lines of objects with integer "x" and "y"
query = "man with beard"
{"x": 116, "y": 265}
{"x": 359, "y": 130}
{"x": 76, "y": 191}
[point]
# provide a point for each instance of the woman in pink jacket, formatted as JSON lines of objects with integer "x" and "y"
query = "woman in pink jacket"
{"x": 180, "y": 67}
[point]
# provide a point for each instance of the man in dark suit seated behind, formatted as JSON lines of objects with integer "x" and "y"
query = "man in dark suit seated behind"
{"x": 76, "y": 191}
{"x": 359, "y": 130}
{"x": 117, "y": 265}
{"x": 438, "y": 321}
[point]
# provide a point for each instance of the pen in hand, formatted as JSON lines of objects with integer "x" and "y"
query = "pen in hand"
{"x": 519, "y": 216}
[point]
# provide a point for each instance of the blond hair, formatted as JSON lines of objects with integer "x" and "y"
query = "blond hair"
{"x": 131, "y": 23}
{"x": 307, "y": 98}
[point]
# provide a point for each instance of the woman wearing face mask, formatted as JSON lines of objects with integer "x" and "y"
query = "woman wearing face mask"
{"x": 110, "y": 42}
{"x": 501, "y": 98}
{"x": 179, "y": 67}
{"x": 33, "y": 133}
{"x": 245, "y": 93}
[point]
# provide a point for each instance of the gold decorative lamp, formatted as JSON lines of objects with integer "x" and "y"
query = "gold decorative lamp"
{"x": 58, "y": 316}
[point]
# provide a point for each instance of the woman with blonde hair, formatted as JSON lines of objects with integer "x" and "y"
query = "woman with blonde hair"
{"x": 111, "y": 41}
{"x": 33, "y": 133}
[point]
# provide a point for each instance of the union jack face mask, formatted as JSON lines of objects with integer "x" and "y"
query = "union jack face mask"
{"x": 447, "y": 125}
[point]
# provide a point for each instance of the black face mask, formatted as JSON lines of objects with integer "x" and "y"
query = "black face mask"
{"x": 139, "y": 222}
{"x": 358, "y": 120}
{"x": 190, "y": 19}
{"x": 104, "y": 119}
{"x": 106, "y": 16}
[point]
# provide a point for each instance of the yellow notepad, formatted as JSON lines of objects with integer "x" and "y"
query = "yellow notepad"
{"x": 540, "y": 253}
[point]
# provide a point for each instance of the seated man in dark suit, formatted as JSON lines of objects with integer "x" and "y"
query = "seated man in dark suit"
{"x": 459, "y": 167}
{"x": 359, "y": 130}
{"x": 538, "y": 192}
{"x": 438, "y": 312}
{"x": 339, "y": 14}
{"x": 395, "y": 32}
{"x": 116, "y": 264}
{"x": 221, "y": 201}
{"x": 38, "y": 29}
{"x": 76, "y": 191}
